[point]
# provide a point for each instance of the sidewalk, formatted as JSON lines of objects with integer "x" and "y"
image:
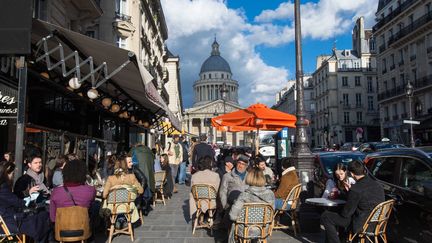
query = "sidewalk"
{"x": 169, "y": 223}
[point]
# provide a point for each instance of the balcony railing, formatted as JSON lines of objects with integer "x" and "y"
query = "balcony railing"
{"x": 358, "y": 106}
{"x": 412, "y": 27}
{"x": 123, "y": 17}
{"x": 401, "y": 89}
{"x": 393, "y": 14}
{"x": 382, "y": 48}
{"x": 356, "y": 69}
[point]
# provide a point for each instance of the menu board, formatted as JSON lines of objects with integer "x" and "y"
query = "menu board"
{"x": 53, "y": 145}
{"x": 8, "y": 104}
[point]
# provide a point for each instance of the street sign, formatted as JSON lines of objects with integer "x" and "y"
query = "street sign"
{"x": 411, "y": 122}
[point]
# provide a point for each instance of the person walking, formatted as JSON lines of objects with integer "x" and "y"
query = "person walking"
{"x": 185, "y": 161}
{"x": 201, "y": 150}
{"x": 175, "y": 156}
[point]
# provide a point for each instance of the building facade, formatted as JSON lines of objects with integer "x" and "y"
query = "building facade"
{"x": 345, "y": 89}
{"x": 286, "y": 102}
{"x": 403, "y": 35}
{"x": 215, "y": 93}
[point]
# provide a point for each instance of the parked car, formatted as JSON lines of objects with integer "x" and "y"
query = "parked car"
{"x": 351, "y": 146}
{"x": 406, "y": 176}
{"x": 371, "y": 147}
{"x": 325, "y": 162}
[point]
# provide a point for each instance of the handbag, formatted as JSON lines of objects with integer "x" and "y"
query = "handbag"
{"x": 72, "y": 223}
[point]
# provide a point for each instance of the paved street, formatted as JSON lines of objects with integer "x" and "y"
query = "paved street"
{"x": 169, "y": 224}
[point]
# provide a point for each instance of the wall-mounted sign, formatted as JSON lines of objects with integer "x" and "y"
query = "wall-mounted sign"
{"x": 8, "y": 104}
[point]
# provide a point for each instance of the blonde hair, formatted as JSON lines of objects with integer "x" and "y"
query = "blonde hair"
{"x": 120, "y": 166}
{"x": 255, "y": 177}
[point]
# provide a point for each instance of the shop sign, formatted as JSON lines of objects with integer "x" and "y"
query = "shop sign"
{"x": 8, "y": 104}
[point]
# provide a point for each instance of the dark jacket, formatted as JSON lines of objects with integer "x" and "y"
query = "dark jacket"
{"x": 146, "y": 164}
{"x": 363, "y": 196}
{"x": 185, "y": 152}
{"x": 23, "y": 185}
{"x": 11, "y": 209}
{"x": 169, "y": 184}
{"x": 139, "y": 175}
{"x": 201, "y": 150}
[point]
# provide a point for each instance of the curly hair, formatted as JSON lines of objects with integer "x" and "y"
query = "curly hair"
{"x": 75, "y": 171}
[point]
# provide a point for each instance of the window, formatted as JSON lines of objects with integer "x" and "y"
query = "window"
{"x": 402, "y": 80}
{"x": 358, "y": 100}
{"x": 404, "y": 108}
{"x": 385, "y": 86}
{"x": 222, "y": 75}
{"x": 357, "y": 81}
{"x": 209, "y": 75}
{"x": 344, "y": 81}
{"x": 383, "y": 169}
{"x": 395, "y": 111}
{"x": 414, "y": 75}
{"x": 415, "y": 174}
{"x": 346, "y": 117}
{"x": 345, "y": 99}
{"x": 204, "y": 76}
{"x": 369, "y": 84}
{"x": 90, "y": 33}
{"x": 384, "y": 65}
{"x": 359, "y": 117}
{"x": 393, "y": 83}
{"x": 386, "y": 112}
{"x": 121, "y": 6}
{"x": 401, "y": 57}
{"x": 418, "y": 109}
{"x": 370, "y": 103}
{"x": 121, "y": 42}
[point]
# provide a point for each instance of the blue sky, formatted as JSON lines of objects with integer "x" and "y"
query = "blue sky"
{"x": 257, "y": 38}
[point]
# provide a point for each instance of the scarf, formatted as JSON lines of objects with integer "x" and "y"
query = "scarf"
{"x": 39, "y": 179}
{"x": 177, "y": 150}
{"x": 241, "y": 175}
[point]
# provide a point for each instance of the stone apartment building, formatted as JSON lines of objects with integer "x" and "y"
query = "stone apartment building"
{"x": 345, "y": 89}
{"x": 403, "y": 35}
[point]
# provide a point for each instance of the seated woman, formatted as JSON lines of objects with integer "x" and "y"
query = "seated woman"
{"x": 74, "y": 179}
{"x": 255, "y": 193}
{"x": 289, "y": 179}
{"x": 204, "y": 176}
{"x": 121, "y": 178}
{"x": 169, "y": 185}
{"x": 57, "y": 178}
{"x": 339, "y": 186}
{"x": 36, "y": 226}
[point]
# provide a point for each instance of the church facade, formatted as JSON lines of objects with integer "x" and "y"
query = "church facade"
{"x": 215, "y": 93}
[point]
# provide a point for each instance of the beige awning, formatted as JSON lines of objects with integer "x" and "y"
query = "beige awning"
{"x": 122, "y": 67}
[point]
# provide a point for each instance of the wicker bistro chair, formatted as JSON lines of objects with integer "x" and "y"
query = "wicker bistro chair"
{"x": 8, "y": 236}
{"x": 254, "y": 223}
{"x": 376, "y": 224}
{"x": 292, "y": 199}
{"x": 204, "y": 193}
{"x": 160, "y": 180}
{"x": 121, "y": 201}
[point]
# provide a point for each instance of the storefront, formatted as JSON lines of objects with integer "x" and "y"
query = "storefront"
{"x": 84, "y": 96}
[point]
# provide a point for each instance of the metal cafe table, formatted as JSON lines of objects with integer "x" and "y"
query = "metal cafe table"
{"x": 325, "y": 202}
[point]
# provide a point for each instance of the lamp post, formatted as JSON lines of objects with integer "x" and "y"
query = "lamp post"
{"x": 302, "y": 157}
{"x": 215, "y": 114}
{"x": 224, "y": 90}
{"x": 410, "y": 93}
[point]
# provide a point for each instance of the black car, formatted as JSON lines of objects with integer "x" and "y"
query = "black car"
{"x": 406, "y": 176}
{"x": 325, "y": 162}
{"x": 371, "y": 147}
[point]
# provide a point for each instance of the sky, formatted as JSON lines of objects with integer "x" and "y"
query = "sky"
{"x": 256, "y": 37}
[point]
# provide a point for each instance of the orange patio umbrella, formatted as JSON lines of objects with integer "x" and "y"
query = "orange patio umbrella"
{"x": 255, "y": 117}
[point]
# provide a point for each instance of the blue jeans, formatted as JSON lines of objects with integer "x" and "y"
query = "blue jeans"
{"x": 182, "y": 173}
{"x": 279, "y": 203}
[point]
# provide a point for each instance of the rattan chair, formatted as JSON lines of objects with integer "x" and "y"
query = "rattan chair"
{"x": 292, "y": 199}
{"x": 160, "y": 180}
{"x": 204, "y": 193}
{"x": 120, "y": 201}
{"x": 254, "y": 223}
{"x": 8, "y": 236}
{"x": 376, "y": 224}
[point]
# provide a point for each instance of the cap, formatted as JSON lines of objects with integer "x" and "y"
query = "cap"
{"x": 243, "y": 158}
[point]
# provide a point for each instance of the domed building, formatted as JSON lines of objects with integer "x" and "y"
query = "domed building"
{"x": 215, "y": 93}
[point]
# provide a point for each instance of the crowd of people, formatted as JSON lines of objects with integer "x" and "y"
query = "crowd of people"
{"x": 239, "y": 176}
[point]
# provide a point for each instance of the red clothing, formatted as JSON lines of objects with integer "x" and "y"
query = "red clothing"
{"x": 83, "y": 195}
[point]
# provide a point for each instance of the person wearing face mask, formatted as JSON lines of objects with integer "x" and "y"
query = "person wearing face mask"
{"x": 33, "y": 180}
{"x": 339, "y": 186}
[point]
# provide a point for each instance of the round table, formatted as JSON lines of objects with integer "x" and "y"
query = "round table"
{"x": 325, "y": 202}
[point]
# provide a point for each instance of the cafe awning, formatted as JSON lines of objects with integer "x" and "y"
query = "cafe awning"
{"x": 97, "y": 62}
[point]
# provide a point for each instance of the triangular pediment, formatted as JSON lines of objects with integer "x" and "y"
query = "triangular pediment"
{"x": 216, "y": 106}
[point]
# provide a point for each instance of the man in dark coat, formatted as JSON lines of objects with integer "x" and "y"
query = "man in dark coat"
{"x": 201, "y": 150}
{"x": 363, "y": 197}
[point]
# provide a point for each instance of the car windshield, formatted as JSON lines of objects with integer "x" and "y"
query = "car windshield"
{"x": 329, "y": 161}
{"x": 427, "y": 149}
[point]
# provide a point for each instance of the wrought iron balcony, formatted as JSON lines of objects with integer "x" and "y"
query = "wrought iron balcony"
{"x": 401, "y": 89}
{"x": 412, "y": 27}
{"x": 393, "y": 14}
{"x": 122, "y": 17}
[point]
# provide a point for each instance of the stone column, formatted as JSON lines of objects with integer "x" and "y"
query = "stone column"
{"x": 201, "y": 130}
{"x": 190, "y": 128}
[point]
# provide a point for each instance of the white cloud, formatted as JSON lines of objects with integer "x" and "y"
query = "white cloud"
{"x": 192, "y": 25}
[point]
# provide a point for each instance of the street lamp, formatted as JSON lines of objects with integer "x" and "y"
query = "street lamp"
{"x": 410, "y": 93}
{"x": 302, "y": 156}
{"x": 224, "y": 90}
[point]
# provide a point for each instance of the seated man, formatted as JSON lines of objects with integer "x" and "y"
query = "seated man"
{"x": 233, "y": 182}
{"x": 33, "y": 180}
{"x": 364, "y": 195}
{"x": 260, "y": 162}
{"x": 288, "y": 180}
